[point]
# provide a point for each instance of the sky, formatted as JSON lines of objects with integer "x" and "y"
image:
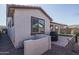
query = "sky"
{"x": 60, "y": 13}
{"x": 63, "y": 13}
{"x": 2, "y": 14}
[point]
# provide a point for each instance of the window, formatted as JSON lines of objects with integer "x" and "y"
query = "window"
{"x": 11, "y": 17}
{"x": 12, "y": 21}
{"x": 9, "y": 24}
{"x": 37, "y": 25}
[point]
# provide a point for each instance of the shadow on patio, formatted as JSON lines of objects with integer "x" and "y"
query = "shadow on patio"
{"x": 7, "y": 48}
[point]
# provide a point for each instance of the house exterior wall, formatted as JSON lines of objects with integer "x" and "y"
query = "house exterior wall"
{"x": 22, "y": 23}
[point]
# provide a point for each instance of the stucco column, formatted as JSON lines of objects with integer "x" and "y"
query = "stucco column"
{"x": 53, "y": 27}
{"x": 59, "y": 29}
{"x": 72, "y": 31}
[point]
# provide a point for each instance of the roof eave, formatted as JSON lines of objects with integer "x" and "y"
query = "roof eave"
{"x": 27, "y": 7}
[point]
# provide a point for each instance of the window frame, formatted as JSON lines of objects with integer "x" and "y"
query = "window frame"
{"x": 33, "y": 33}
{"x": 12, "y": 21}
{"x": 11, "y": 14}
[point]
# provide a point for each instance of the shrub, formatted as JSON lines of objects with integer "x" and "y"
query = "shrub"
{"x": 77, "y": 34}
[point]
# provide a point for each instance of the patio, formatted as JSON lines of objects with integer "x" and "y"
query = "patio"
{"x": 7, "y": 48}
{"x": 64, "y": 46}
{"x": 58, "y": 50}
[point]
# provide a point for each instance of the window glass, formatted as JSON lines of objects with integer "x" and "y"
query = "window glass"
{"x": 12, "y": 21}
{"x": 38, "y": 25}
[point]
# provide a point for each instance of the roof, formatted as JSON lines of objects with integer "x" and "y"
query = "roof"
{"x": 28, "y": 7}
{"x": 59, "y": 24}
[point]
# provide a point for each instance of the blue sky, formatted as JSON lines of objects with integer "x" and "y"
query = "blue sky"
{"x": 66, "y": 14}
{"x": 61, "y": 13}
{"x": 2, "y": 14}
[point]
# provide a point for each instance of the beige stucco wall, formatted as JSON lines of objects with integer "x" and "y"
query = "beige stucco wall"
{"x": 22, "y": 19}
{"x": 37, "y": 47}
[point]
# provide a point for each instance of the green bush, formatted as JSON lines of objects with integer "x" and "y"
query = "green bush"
{"x": 77, "y": 34}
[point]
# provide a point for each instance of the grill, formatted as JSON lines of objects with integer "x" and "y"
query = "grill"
{"x": 54, "y": 36}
